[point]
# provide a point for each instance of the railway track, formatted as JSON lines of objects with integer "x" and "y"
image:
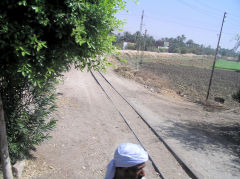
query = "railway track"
{"x": 160, "y": 153}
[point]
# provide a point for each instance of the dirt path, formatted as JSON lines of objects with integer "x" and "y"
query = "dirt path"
{"x": 163, "y": 159}
{"x": 206, "y": 141}
{"x": 89, "y": 129}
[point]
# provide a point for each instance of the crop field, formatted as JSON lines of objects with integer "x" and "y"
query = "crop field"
{"x": 187, "y": 75}
{"x": 200, "y": 61}
{"x": 229, "y": 65}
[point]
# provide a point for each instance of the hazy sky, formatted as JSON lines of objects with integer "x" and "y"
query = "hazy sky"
{"x": 199, "y": 20}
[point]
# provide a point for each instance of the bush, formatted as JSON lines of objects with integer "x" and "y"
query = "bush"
{"x": 236, "y": 96}
{"x": 183, "y": 50}
{"x": 162, "y": 49}
{"x": 176, "y": 50}
{"x": 39, "y": 41}
{"x": 131, "y": 46}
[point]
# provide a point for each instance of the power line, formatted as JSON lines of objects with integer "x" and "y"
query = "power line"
{"x": 192, "y": 26}
{"x": 210, "y": 12}
{"x": 197, "y": 9}
{"x": 234, "y": 24}
{"x": 217, "y": 10}
{"x": 231, "y": 16}
{"x": 234, "y": 29}
{"x": 177, "y": 19}
{"x": 237, "y": 17}
{"x": 187, "y": 25}
{"x": 237, "y": 28}
{"x": 210, "y": 7}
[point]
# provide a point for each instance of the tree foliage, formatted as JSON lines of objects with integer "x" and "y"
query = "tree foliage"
{"x": 180, "y": 44}
{"x": 236, "y": 96}
{"x": 40, "y": 39}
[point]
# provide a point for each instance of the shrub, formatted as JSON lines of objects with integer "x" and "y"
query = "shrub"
{"x": 162, "y": 49}
{"x": 183, "y": 50}
{"x": 131, "y": 46}
{"x": 176, "y": 50}
{"x": 236, "y": 96}
{"x": 39, "y": 41}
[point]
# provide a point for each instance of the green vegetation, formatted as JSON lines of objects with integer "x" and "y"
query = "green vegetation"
{"x": 186, "y": 75}
{"x": 236, "y": 96}
{"x": 40, "y": 39}
{"x": 180, "y": 44}
{"x": 229, "y": 65}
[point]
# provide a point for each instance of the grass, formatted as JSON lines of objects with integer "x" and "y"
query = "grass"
{"x": 229, "y": 65}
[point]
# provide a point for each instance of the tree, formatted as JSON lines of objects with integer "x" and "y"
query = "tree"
{"x": 150, "y": 43}
{"x": 39, "y": 41}
{"x": 6, "y": 165}
{"x": 181, "y": 38}
{"x": 190, "y": 43}
{"x": 176, "y": 45}
{"x": 128, "y": 37}
{"x": 159, "y": 43}
{"x": 183, "y": 50}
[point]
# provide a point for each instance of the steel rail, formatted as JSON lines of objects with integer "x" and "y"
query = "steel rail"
{"x": 154, "y": 164}
{"x": 192, "y": 174}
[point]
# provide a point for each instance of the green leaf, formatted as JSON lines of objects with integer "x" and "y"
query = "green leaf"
{"x": 38, "y": 50}
{"x": 123, "y": 60}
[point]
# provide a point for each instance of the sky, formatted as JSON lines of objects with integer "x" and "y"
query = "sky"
{"x": 199, "y": 20}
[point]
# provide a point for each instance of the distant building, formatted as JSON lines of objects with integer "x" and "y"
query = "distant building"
{"x": 166, "y": 44}
{"x": 128, "y": 45}
{"x": 219, "y": 56}
{"x": 124, "y": 45}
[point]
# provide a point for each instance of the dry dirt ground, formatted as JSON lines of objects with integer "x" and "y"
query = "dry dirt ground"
{"x": 186, "y": 74}
{"x": 206, "y": 141}
{"x": 89, "y": 129}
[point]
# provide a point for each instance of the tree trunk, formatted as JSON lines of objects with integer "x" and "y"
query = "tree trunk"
{"x": 6, "y": 165}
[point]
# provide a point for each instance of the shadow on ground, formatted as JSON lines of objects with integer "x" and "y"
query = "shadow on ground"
{"x": 207, "y": 137}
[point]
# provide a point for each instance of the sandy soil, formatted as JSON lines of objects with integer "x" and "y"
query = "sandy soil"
{"x": 185, "y": 74}
{"x": 206, "y": 141}
{"x": 156, "y": 54}
{"x": 89, "y": 129}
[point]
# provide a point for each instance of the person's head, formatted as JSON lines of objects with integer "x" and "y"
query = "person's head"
{"x": 128, "y": 163}
{"x": 135, "y": 172}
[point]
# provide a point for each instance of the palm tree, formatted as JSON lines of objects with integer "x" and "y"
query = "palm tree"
{"x": 190, "y": 43}
{"x": 183, "y": 38}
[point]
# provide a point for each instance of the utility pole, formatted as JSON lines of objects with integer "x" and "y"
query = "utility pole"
{"x": 139, "y": 40}
{"x": 215, "y": 57}
{"x": 144, "y": 45}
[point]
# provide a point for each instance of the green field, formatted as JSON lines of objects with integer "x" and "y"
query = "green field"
{"x": 229, "y": 65}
